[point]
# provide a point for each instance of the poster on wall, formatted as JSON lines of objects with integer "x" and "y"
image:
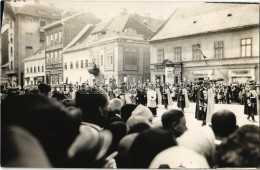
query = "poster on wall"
{"x": 131, "y": 56}
{"x": 169, "y": 74}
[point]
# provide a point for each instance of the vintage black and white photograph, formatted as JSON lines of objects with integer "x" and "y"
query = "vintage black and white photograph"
{"x": 130, "y": 84}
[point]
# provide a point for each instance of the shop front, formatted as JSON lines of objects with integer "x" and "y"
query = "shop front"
{"x": 167, "y": 72}
{"x": 241, "y": 75}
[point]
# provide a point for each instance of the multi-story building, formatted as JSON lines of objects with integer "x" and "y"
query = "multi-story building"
{"x": 227, "y": 34}
{"x": 4, "y": 53}
{"x": 34, "y": 68}
{"x": 119, "y": 49}
{"x": 25, "y": 35}
{"x": 58, "y": 35}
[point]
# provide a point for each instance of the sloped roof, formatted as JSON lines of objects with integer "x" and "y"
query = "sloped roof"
{"x": 208, "y": 17}
{"x": 153, "y": 23}
{"x": 35, "y": 10}
{"x": 39, "y": 54}
{"x": 78, "y": 37}
{"x": 118, "y": 23}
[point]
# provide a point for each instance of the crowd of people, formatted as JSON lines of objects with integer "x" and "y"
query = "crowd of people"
{"x": 113, "y": 126}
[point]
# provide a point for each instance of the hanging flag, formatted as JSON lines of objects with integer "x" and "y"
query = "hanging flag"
{"x": 204, "y": 57}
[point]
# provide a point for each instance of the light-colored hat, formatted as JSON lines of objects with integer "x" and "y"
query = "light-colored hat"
{"x": 179, "y": 157}
{"x": 91, "y": 141}
{"x": 141, "y": 110}
{"x": 203, "y": 141}
{"x": 135, "y": 119}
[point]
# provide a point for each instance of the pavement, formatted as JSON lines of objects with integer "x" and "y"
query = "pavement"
{"x": 192, "y": 123}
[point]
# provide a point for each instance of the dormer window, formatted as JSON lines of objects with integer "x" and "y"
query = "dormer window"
{"x": 229, "y": 15}
{"x": 42, "y": 12}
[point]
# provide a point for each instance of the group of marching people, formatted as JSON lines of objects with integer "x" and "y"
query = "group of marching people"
{"x": 204, "y": 94}
{"x": 102, "y": 128}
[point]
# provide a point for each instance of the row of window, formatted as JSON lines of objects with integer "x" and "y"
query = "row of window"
{"x": 35, "y": 69}
{"x": 54, "y": 38}
{"x": 82, "y": 64}
{"x": 54, "y": 57}
{"x": 246, "y": 51}
{"x": 109, "y": 61}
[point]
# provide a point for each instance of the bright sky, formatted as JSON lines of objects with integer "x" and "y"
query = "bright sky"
{"x": 105, "y": 10}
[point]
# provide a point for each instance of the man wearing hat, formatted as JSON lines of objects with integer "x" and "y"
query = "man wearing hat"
{"x": 201, "y": 104}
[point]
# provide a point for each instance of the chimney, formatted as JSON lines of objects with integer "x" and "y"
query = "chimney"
{"x": 145, "y": 22}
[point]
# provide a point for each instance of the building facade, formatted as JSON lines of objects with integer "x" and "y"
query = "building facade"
{"x": 58, "y": 36}
{"x": 34, "y": 67}
{"x": 119, "y": 48}
{"x": 4, "y": 53}
{"x": 26, "y": 35}
{"x": 223, "y": 47}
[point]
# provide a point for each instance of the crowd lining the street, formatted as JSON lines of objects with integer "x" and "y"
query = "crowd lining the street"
{"x": 109, "y": 126}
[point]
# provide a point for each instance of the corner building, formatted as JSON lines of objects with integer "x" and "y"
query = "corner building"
{"x": 226, "y": 34}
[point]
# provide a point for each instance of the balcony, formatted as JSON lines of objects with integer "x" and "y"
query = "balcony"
{"x": 11, "y": 72}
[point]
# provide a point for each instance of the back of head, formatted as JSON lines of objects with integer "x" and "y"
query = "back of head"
{"x": 126, "y": 111}
{"x": 123, "y": 159}
{"x": 148, "y": 144}
{"x": 223, "y": 123}
{"x": 140, "y": 127}
{"x": 44, "y": 88}
{"x": 118, "y": 129}
{"x": 171, "y": 117}
{"x": 20, "y": 149}
{"x": 115, "y": 104}
{"x": 58, "y": 96}
{"x": 92, "y": 102}
{"x": 47, "y": 120}
{"x": 178, "y": 157}
{"x": 241, "y": 149}
{"x": 203, "y": 142}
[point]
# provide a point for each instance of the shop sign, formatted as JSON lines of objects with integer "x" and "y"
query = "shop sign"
{"x": 239, "y": 72}
{"x": 160, "y": 69}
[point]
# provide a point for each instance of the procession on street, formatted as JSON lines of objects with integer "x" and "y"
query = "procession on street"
{"x": 175, "y": 87}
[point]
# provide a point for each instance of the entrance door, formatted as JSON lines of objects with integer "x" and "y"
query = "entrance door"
{"x": 163, "y": 78}
{"x": 175, "y": 79}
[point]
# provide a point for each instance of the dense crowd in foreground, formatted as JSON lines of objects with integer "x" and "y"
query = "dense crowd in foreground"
{"x": 95, "y": 131}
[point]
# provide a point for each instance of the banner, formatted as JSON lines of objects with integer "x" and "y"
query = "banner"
{"x": 169, "y": 74}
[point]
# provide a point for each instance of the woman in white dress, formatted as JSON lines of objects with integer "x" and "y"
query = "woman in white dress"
{"x": 151, "y": 100}
{"x": 159, "y": 95}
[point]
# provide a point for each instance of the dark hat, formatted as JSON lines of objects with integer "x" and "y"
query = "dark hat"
{"x": 21, "y": 149}
{"x": 148, "y": 144}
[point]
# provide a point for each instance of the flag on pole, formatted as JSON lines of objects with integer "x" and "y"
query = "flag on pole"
{"x": 204, "y": 57}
